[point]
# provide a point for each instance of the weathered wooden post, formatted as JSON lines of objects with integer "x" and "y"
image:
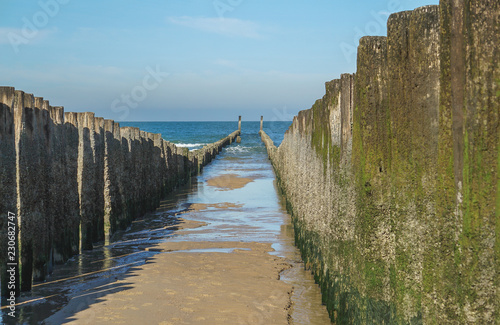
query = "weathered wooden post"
{"x": 87, "y": 178}
{"x": 261, "y": 122}
{"x": 31, "y": 182}
{"x": 70, "y": 240}
{"x": 8, "y": 194}
{"x": 238, "y": 138}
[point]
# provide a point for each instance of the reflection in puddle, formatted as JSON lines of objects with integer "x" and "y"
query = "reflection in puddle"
{"x": 225, "y": 205}
{"x": 212, "y": 250}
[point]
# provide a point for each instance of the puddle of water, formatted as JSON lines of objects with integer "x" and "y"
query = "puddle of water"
{"x": 306, "y": 298}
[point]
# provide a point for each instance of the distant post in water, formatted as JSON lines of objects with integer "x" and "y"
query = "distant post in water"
{"x": 261, "y": 122}
{"x": 238, "y": 138}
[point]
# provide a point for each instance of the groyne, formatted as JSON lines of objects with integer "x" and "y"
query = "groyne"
{"x": 69, "y": 180}
{"x": 392, "y": 177}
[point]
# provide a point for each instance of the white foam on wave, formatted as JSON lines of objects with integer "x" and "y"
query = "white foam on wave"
{"x": 238, "y": 149}
{"x": 190, "y": 145}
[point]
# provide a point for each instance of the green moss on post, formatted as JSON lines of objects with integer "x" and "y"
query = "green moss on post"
{"x": 371, "y": 160}
{"x": 480, "y": 171}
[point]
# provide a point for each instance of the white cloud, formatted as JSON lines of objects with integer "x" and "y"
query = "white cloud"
{"x": 22, "y": 35}
{"x": 223, "y": 26}
{"x": 4, "y": 34}
{"x": 227, "y": 63}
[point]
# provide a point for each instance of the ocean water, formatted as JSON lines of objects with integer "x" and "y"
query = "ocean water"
{"x": 195, "y": 135}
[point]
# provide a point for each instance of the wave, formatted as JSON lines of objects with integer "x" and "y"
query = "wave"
{"x": 238, "y": 149}
{"x": 190, "y": 145}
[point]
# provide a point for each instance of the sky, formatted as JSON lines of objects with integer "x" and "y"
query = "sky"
{"x": 185, "y": 60}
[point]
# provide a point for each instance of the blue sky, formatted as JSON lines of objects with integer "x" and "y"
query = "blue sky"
{"x": 185, "y": 60}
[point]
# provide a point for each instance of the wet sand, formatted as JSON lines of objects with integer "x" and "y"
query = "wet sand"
{"x": 194, "y": 282}
{"x": 228, "y": 182}
{"x": 204, "y": 206}
{"x": 241, "y": 287}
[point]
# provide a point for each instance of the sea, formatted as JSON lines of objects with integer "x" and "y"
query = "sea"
{"x": 194, "y": 135}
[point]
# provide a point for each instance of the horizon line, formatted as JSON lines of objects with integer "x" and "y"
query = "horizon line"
{"x": 197, "y": 121}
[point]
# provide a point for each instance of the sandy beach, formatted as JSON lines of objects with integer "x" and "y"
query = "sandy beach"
{"x": 193, "y": 283}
